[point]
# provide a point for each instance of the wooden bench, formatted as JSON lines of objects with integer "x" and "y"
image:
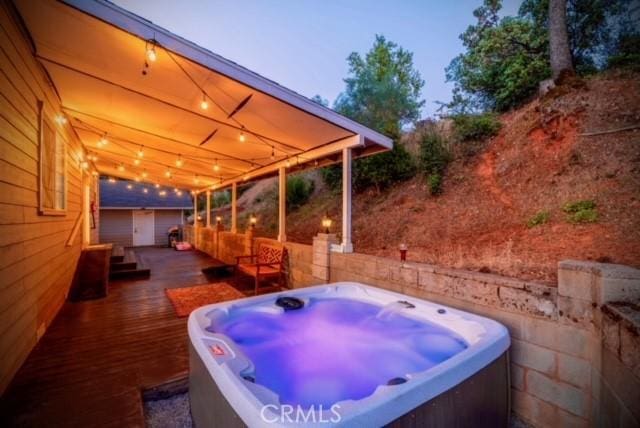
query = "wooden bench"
{"x": 266, "y": 264}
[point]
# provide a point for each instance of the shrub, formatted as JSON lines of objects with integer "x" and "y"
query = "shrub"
{"x": 434, "y": 153}
{"x": 539, "y": 219}
{"x": 434, "y": 182}
{"x": 470, "y": 127}
{"x": 627, "y": 52}
{"x": 221, "y": 199}
{"x": 299, "y": 190}
{"x": 581, "y": 212}
{"x": 379, "y": 171}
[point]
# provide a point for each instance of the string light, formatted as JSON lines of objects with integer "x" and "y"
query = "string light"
{"x": 136, "y": 161}
{"x": 151, "y": 51}
{"x": 204, "y": 104}
{"x": 129, "y": 186}
{"x": 144, "y": 174}
{"x": 103, "y": 140}
{"x": 288, "y": 163}
{"x": 112, "y": 180}
{"x": 141, "y": 152}
{"x": 167, "y": 173}
{"x": 242, "y": 138}
{"x": 179, "y": 193}
{"x": 120, "y": 167}
{"x": 84, "y": 164}
{"x": 60, "y": 119}
{"x": 157, "y": 186}
{"x": 94, "y": 173}
{"x": 179, "y": 161}
{"x": 145, "y": 190}
{"x": 216, "y": 167}
{"x": 176, "y": 190}
{"x": 137, "y": 179}
{"x": 196, "y": 180}
{"x": 162, "y": 192}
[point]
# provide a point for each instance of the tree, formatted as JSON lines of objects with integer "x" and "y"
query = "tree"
{"x": 504, "y": 59}
{"x": 560, "y": 56}
{"x": 382, "y": 92}
{"x": 322, "y": 101}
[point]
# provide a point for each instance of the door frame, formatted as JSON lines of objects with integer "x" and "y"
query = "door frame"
{"x": 133, "y": 227}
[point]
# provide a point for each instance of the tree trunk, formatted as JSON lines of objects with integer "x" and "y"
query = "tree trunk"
{"x": 559, "y": 39}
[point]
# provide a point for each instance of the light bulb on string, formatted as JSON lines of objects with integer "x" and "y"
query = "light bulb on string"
{"x": 204, "y": 104}
{"x": 179, "y": 161}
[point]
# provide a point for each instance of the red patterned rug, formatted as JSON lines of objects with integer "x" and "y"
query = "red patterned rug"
{"x": 185, "y": 300}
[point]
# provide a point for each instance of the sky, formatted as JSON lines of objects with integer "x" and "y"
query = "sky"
{"x": 303, "y": 44}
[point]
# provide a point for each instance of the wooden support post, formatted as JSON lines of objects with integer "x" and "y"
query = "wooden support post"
{"x": 346, "y": 245}
{"x": 282, "y": 204}
{"x": 234, "y": 208}
{"x": 208, "y": 193}
{"x": 195, "y": 220}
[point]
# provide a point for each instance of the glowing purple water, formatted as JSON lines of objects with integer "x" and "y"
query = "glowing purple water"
{"x": 335, "y": 349}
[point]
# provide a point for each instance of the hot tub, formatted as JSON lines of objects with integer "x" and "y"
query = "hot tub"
{"x": 351, "y": 355}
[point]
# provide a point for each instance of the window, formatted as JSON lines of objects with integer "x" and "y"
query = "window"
{"x": 53, "y": 186}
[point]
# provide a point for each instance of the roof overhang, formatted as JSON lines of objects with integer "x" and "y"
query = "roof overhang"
{"x": 94, "y": 53}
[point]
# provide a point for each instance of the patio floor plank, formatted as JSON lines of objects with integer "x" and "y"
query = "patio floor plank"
{"x": 96, "y": 356}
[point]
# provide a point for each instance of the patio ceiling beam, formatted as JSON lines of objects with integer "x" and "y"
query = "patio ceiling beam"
{"x": 172, "y": 105}
{"x": 353, "y": 142}
{"x": 153, "y": 134}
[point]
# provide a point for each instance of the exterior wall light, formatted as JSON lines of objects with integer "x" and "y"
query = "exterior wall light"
{"x": 326, "y": 223}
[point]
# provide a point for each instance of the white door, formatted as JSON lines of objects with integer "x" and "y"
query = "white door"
{"x": 143, "y": 225}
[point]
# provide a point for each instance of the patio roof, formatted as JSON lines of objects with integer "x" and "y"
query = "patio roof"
{"x": 95, "y": 55}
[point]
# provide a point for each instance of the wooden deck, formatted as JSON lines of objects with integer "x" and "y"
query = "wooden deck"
{"x": 93, "y": 361}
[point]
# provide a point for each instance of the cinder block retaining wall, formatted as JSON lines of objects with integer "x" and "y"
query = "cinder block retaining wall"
{"x": 575, "y": 355}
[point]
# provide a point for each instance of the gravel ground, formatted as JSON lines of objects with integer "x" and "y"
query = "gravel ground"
{"x": 173, "y": 412}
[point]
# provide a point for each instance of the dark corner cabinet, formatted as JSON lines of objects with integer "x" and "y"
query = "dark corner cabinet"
{"x": 91, "y": 278}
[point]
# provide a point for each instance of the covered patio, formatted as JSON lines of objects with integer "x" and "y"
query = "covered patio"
{"x": 152, "y": 107}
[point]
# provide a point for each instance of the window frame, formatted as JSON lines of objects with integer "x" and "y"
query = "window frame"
{"x": 42, "y": 119}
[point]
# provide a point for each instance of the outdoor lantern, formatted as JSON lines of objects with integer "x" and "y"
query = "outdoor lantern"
{"x": 326, "y": 223}
{"x": 253, "y": 220}
{"x": 218, "y": 219}
{"x": 403, "y": 252}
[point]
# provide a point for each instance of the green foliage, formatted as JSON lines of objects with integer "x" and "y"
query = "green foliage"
{"x": 384, "y": 169}
{"x": 332, "y": 177}
{"x": 581, "y": 212}
{"x": 299, "y": 190}
{"x": 540, "y": 218}
{"x": 469, "y": 127}
{"x": 434, "y": 182}
{"x": 434, "y": 157}
{"x": 626, "y": 53}
{"x": 383, "y": 93}
{"x": 506, "y": 58}
{"x": 322, "y": 101}
{"x": 220, "y": 199}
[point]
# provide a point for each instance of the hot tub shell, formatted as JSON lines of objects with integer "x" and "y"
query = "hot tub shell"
{"x": 472, "y": 387}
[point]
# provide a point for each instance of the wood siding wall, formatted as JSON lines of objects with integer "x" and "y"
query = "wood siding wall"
{"x": 116, "y": 227}
{"x": 164, "y": 220}
{"x": 36, "y": 266}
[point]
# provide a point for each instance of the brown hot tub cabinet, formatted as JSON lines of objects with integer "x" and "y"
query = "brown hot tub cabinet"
{"x": 480, "y": 401}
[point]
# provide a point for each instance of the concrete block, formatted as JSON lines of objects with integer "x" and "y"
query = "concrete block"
{"x": 525, "y": 301}
{"x": 576, "y": 279}
{"x": 320, "y": 272}
{"x": 630, "y": 350}
{"x": 533, "y": 356}
{"x": 562, "y": 395}
{"x": 576, "y": 312}
{"x": 570, "y": 340}
{"x": 533, "y": 410}
{"x": 575, "y": 371}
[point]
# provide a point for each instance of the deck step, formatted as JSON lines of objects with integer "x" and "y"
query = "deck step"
{"x": 117, "y": 254}
{"x": 129, "y": 268}
{"x": 123, "y": 266}
{"x": 140, "y": 273}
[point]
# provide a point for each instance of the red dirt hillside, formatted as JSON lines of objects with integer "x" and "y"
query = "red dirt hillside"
{"x": 541, "y": 160}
